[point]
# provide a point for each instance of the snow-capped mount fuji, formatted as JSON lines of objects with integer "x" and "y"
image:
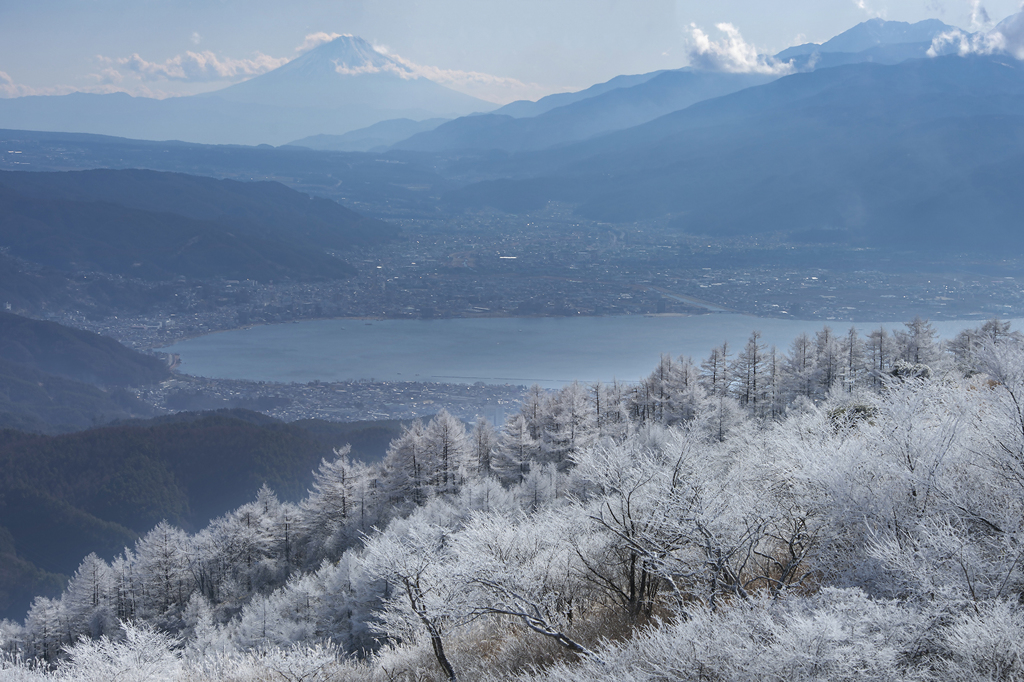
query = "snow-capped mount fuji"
{"x": 334, "y": 88}
{"x": 348, "y": 74}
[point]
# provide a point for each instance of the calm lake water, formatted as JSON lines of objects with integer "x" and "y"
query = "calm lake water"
{"x": 547, "y": 351}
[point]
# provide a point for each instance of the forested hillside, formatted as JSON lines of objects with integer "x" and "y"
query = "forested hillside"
{"x": 75, "y": 354}
{"x": 159, "y": 226}
{"x": 104, "y": 237}
{"x": 37, "y": 402}
{"x": 97, "y": 490}
{"x": 268, "y": 210}
{"x": 850, "y": 508}
{"x": 55, "y": 379}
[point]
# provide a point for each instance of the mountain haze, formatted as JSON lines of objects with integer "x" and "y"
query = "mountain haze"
{"x": 628, "y": 101}
{"x": 377, "y": 137}
{"x": 907, "y": 155}
{"x": 336, "y": 87}
{"x": 871, "y": 34}
{"x": 615, "y": 109}
{"x": 349, "y": 78}
{"x": 525, "y": 108}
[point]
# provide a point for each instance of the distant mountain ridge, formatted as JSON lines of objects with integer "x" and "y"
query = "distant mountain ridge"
{"x": 336, "y": 87}
{"x": 526, "y": 108}
{"x": 899, "y": 156}
{"x": 628, "y": 101}
{"x": 377, "y": 137}
{"x": 870, "y": 34}
{"x": 615, "y": 109}
{"x": 348, "y": 77}
{"x": 265, "y": 209}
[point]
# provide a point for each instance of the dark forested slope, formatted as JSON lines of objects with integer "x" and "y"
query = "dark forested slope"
{"x": 268, "y": 210}
{"x": 75, "y": 354}
{"x": 55, "y": 379}
{"x": 93, "y": 491}
{"x": 35, "y": 401}
{"x": 230, "y": 230}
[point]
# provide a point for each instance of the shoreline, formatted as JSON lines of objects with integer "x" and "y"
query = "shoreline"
{"x": 836, "y": 324}
{"x": 544, "y": 349}
{"x": 423, "y": 319}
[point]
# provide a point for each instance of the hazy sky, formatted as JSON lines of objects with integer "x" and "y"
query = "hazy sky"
{"x": 162, "y": 47}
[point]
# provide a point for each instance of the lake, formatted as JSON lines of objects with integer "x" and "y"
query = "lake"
{"x": 550, "y": 351}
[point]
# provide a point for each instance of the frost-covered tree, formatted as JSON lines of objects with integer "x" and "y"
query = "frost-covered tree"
{"x": 611, "y": 410}
{"x": 534, "y": 408}
{"x": 165, "y": 581}
{"x": 879, "y": 349}
{"x": 516, "y": 448}
{"x": 483, "y": 442}
{"x": 415, "y": 558}
{"x": 751, "y": 379}
{"x": 969, "y": 343}
{"x": 827, "y": 359}
{"x": 571, "y": 423}
{"x": 406, "y": 472}
{"x": 916, "y": 344}
{"x": 344, "y": 502}
{"x": 446, "y": 452}
{"x": 714, "y": 371}
{"x": 90, "y": 599}
{"x": 801, "y": 369}
{"x": 853, "y": 360}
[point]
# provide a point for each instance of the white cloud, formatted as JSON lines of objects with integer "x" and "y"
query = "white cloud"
{"x": 202, "y": 70}
{"x": 455, "y": 76}
{"x": 316, "y": 39}
{"x": 196, "y": 38}
{"x": 731, "y": 54}
{"x": 9, "y": 88}
{"x": 497, "y": 89}
{"x": 979, "y": 16}
{"x": 192, "y": 66}
{"x": 1006, "y": 38}
{"x": 867, "y": 9}
{"x": 345, "y": 70}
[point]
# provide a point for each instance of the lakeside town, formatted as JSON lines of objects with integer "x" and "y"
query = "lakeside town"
{"x": 339, "y": 401}
{"x": 561, "y": 267}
